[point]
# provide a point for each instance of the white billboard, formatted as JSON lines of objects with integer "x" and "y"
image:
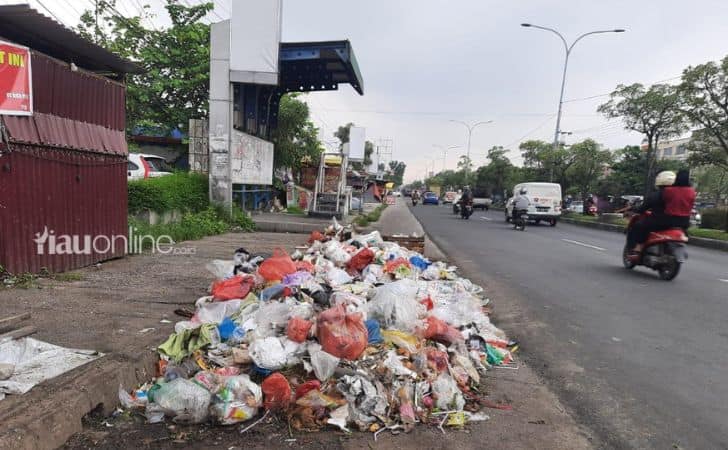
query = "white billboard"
{"x": 255, "y": 36}
{"x": 357, "y": 139}
{"x": 251, "y": 160}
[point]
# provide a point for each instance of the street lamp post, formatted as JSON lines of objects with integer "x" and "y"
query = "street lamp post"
{"x": 470, "y": 135}
{"x": 444, "y": 152}
{"x": 568, "y": 47}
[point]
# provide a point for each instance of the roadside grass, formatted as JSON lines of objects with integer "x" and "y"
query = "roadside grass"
{"x": 295, "y": 210}
{"x": 708, "y": 233}
{"x": 365, "y": 219}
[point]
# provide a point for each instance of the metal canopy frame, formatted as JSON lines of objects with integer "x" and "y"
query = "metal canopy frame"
{"x": 304, "y": 67}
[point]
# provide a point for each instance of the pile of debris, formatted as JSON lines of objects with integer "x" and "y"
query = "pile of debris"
{"x": 353, "y": 332}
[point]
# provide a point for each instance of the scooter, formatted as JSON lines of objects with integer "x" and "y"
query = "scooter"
{"x": 664, "y": 251}
{"x": 520, "y": 221}
{"x": 414, "y": 201}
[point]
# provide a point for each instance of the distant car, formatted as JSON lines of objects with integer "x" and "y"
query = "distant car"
{"x": 397, "y": 193}
{"x": 450, "y": 197}
{"x": 576, "y": 207}
{"x": 695, "y": 218}
{"x": 430, "y": 198}
{"x": 140, "y": 166}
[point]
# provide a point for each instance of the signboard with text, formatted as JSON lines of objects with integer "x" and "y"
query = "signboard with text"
{"x": 16, "y": 85}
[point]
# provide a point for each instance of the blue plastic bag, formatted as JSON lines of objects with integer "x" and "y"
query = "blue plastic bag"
{"x": 419, "y": 262}
{"x": 374, "y": 331}
{"x": 226, "y": 328}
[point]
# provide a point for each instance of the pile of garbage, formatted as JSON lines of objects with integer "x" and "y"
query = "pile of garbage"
{"x": 351, "y": 331}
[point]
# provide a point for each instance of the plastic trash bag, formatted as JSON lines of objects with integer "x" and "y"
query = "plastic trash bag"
{"x": 184, "y": 400}
{"x": 401, "y": 339}
{"x": 373, "y": 331}
{"x": 340, "y": 334}
{"x": 237, "y": 287}
{"x": 337, "y": 277}
{"x": 324, "y": 364}
{"x": 352, "y": 302}
{"x": 273, "y": 292}
{"x": 431, "y": 273}
{"x": 419, "y": 262}
{"x": 269, "y": 353}
{"x": 304, "y": 266}
{"x": 220, "y": 268}
{"x": 215, "y": 312}
{"x": 305, "y": 388}
{"x": 237, "y": 400}
{"x": 137, "y": 399}
{"x": 395, "y": 365}
{"x": 277, "y": 266}
{"x": 276, "y": 392}
{"x": 395, "y": 306}
{"x": 270, "y": 317}
{"x": 297, "y": 329}
{"x": 334, "y": 252}
{"x": 360, "y": 260}
{"x": 439, "y": 331}
{"x": 373, "y": 239}
{"x": 297, "y": 278}
{"x": 372, "y": 273}
{"x": 447, "y": 394}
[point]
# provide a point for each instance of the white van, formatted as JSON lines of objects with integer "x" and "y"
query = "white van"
{"x": 545, "y": 201}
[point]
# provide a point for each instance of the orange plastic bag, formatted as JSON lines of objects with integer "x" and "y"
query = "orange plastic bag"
{"x": 297, "y": 329}
{"x": 304, "y": 266}
{"x": 316, "y": 236}
{"x": 438, "y": 330}
{"x": 392, "y": 265}
{"x": 276, "y": 392}
{"x": 340, "y": 334}
{"x": 429, "y": 304}
{"x": 277, "y": 266}
{"x": 305, "y": 388}
{"x": 238, "y": 286}
{"x": 360, "y": 260}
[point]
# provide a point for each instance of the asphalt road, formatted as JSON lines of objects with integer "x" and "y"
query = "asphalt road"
{"x": 641, "y": 361}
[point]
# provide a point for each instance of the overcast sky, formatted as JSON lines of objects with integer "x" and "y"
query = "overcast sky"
{"x": 425, "y": 62}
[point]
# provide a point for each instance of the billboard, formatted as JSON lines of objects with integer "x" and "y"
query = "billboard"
{"x": 16, "y": 84}
{"x": 255, "y": 36}
{"x": 357, "y": 138}
{"x": 251, "y": 160}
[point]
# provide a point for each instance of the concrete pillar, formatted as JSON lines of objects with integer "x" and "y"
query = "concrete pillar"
{"x": 221, "y": 113}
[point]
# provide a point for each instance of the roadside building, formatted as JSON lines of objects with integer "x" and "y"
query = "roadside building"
{"x": 63, "y": 153}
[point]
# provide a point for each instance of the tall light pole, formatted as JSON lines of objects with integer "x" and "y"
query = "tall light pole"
{"x": 444, "y": 152}
{"x": 470, "y": 135}
{"x": 567, "y": 47}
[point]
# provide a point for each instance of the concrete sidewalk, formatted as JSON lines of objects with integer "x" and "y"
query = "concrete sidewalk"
{"x": 115, "y": 309}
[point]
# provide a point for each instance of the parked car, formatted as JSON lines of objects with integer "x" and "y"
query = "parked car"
{"x": 397, "y": 193}
{"x": 576, "y": 207}
{"x": 140, "y": 166}
{"x": 482, "y": 203}
{"x": 430, "y": 198}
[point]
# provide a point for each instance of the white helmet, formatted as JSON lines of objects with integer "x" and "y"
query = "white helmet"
{"x": 665, "y": 178}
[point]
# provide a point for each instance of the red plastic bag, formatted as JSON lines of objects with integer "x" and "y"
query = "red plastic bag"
{"x": 436, "y": 359}
{"x": 360, "y": 260}
{"x": 276, "y": 392}
{"x": 277, "y": 266}
{"x": 304, "y": 266}
{"x": 340, "y": 334}
{"x": 440, "y": 331}
{"x": 392, "y": 265}
{"x": 428, "y": 303}
{"x": 298, "y": 329}
{"x": 316, "y": 236}
{"x": 238, "y": 286}
{"x": 305, "y": 388}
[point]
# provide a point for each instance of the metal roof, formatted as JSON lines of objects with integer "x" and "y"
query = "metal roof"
{"x": 318, "y": 66}
{"x": 25, "y": 26}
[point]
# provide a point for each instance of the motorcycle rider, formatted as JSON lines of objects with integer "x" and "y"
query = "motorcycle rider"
{"x": 520, "y": 203}
{"x": 465, "y": 199}
{"x": 671, "y": 206}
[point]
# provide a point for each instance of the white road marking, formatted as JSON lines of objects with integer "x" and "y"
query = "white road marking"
{"x": 485, "y": 218}
{"x": 724, "y": 281}
{"x": 584, "y": 245}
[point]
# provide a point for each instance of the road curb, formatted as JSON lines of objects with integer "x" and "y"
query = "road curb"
{"x": 287, "y": 227}
{"x": 713, "y": 244}
{"x": 52, "y": 412}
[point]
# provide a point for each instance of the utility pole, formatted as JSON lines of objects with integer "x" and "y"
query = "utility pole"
{"x": 444, "y": 153}
{"x": 568, "y": 48}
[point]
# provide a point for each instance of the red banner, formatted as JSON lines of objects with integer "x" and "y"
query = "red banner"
{"x": 16, "y": 89}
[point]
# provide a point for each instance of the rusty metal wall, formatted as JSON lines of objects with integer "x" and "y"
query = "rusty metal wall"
{"x": 77, "y": 95}
{"x": 66, "y": 192}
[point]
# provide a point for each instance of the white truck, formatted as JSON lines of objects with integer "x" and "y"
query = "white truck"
{"x": 544, "y": 199}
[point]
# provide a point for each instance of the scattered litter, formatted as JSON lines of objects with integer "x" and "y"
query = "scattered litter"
{"x": 350, "y": 333}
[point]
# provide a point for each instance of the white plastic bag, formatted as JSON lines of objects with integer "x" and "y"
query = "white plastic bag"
{"x": 395, "y": 306}
{"x": 184, "y": 400}
{"x": 337, "y": 277}
{"x": 324, "y": 364}
{"x": 373, "y": 239}
{"x": 237, "y": 400}
{"x": 268, "y": 353}
{"x": 334, "y": 252}
{"x": 447, "y": 393}
{"x": 372, "y": 273}
{"x": 395, "y": 365}
{"x": 220, "y": 268}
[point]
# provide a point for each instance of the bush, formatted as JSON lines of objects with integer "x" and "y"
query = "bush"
{"x": 182, "y": 191}
{"x": 714, "y": 218}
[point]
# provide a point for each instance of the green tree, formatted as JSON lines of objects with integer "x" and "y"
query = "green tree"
{"x": 296, "y": 137}
{"x": 176, "y": 61}
{"x": 703, "y": 95}
{"x": 651, "y": 111}
{"x": 342, "y": 133}
{"x": 494, "y": 176}
{"x": 545, "y": 161}
{"x": 396, "y": 172}
{"x": 712, "y": 181}
{"x": 588, "y": 166}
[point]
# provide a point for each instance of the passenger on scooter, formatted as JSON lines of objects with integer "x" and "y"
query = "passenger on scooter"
{"x": 520, "y": 203}
{"x": 671, "y": 206}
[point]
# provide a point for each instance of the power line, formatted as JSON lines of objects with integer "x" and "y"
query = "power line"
{"x": 609, "y": 93}
{"x": 51, "y": 13}
{"x": 541, "y": 125}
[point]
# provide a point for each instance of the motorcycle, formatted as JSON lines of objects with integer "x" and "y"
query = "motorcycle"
{"x": 664, "y": 250}
{"x": 467, "y": 211}
{"x": 519, "y": 223}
